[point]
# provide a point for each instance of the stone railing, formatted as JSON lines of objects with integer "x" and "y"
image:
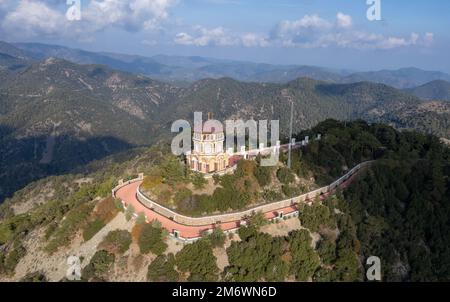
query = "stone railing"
{"x": 236, "y": 216}
{"x": 126, "y": 183}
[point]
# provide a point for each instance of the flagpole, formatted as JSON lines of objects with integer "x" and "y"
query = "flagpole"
{"x": 290, "y": 134}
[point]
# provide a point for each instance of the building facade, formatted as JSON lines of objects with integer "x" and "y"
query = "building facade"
{"x": 208, "y": 155}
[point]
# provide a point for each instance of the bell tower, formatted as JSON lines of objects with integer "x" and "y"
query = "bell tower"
{"x": 208, "y": 154}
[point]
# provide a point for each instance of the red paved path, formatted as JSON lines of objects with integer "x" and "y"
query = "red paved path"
{"x": 128, "y": 195}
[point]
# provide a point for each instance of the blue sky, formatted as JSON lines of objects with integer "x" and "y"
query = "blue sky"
{"x": 330, "y": 33}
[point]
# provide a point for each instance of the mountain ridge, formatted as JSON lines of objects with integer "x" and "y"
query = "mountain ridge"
{"x": 56, "y": 115}
{"x": 179, "y": 69}
{"x": 434, "y": 90}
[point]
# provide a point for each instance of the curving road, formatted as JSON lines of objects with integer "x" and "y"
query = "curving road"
{"x": 128, "y": 195}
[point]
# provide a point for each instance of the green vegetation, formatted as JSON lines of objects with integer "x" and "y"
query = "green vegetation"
{"x": 140, "y": 218}
{"x": 285, "y": 175}
{"x": 129, "y": 212}
{"x": 9, "y": 261}
{"x": 116, "y": 242}
{"x": 217, "y": 237}
{"x": 162, "y": 269}
{"x": 92, "y": 229}
{"x": 34, "y": 277}
{"x": 119, "y": 205}
{"x": 198, "y": 261}
{"x": 236, "y": 191}
{"x": 305, "y": 260}
{"x": 257, "y": 257}
{"x": 263, "y": 174}
{"x": 70, "y": 207}
{"x": 397, "y": 209}
{"x": 74, "y": 220}
{"x": 151, "y": 239}
{"x": 258, "y": 220}
{"x": 326, "y": 249}
{"x": 316, "y": 216}
{"x": 198, "y": 180}
{"x": 99, "y": 265}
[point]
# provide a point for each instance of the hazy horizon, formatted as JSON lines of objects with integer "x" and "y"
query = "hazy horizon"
{"x": 150, "y": 55}
{"x": 325, "y": 33}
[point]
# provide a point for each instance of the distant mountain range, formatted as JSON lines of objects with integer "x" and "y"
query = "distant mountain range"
{"x": 178, "y": 69}
{"x": 434, "y": 90}
{"x": 56, "y": 115}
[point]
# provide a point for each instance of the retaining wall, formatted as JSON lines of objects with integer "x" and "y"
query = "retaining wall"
{"x": 236, "y": 216}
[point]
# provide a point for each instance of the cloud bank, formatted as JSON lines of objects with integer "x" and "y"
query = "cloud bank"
{"x": 310, "y": 31}
{"x": 47, "y": 19}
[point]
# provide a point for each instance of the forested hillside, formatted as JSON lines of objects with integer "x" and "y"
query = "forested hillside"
{"x": 398, "y": 210}
{"x": 435, "y": 90}
{"x": 56, "y": 115}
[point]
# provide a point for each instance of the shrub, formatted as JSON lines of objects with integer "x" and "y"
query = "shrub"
{"x": 217, "y": 237}
{"x": 258, "y": 220}
{"x": 156, "y": 224}
{"x": 314, "y": 216}
{"x": 304, "y": 260}
{"x": 12, "y": 259}
{"x": 327, "y": 251}
{"x": 182, "y": 196}
{"x": 75, "y": 219}
{"x": 151, "y": 182}
{"x": 270, "y": 195}
{"x": 93, "y": 228}
{"x": 216, "y": 179}
{"x": 198, "y": 260}
{"x": 34, "y": 277}
{"x": 172, "y": 170}
{"x": 140, "y": 218}
{"x": 258, "y": 257}
{"x": 285, "y": 175}
{"x": 117, "y": 241}
{"x": 119, "y": 205}
{"x": 129, "y": 213}
{"x": 162, "y": 269}
{"x": 291, "y": 191}
{"x": 198, "y": 181}
{"x": 263, "y": 175}
{"x": 151, "y": 240}
{"x": 106, "y": 210}
{"x": 99, "y": 265}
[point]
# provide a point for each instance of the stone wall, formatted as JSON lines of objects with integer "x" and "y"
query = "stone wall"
{"x": 236, "y": 216}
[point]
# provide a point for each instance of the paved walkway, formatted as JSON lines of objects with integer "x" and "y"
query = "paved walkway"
{"x": 128, "y": 195}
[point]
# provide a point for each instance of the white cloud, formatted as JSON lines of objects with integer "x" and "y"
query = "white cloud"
{"x": 309, "y": 23}
{"x": 219, "y": 36}
{"x": 343, "y": 21}
{"x": 47, "y": 17}
{"x": 316, "y": 32}
{"x": 130, "y": 15}
{"x": 253, "y": 40}
{"x": 204, "y": 37}
{"x": 34, "y": 18}
{"x": 429, "y": 38}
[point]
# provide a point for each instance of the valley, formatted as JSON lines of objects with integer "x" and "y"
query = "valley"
{"x": 56, "y": 116}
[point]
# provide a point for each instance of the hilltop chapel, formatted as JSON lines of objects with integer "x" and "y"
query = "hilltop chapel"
{"x": 208, "y": 155}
